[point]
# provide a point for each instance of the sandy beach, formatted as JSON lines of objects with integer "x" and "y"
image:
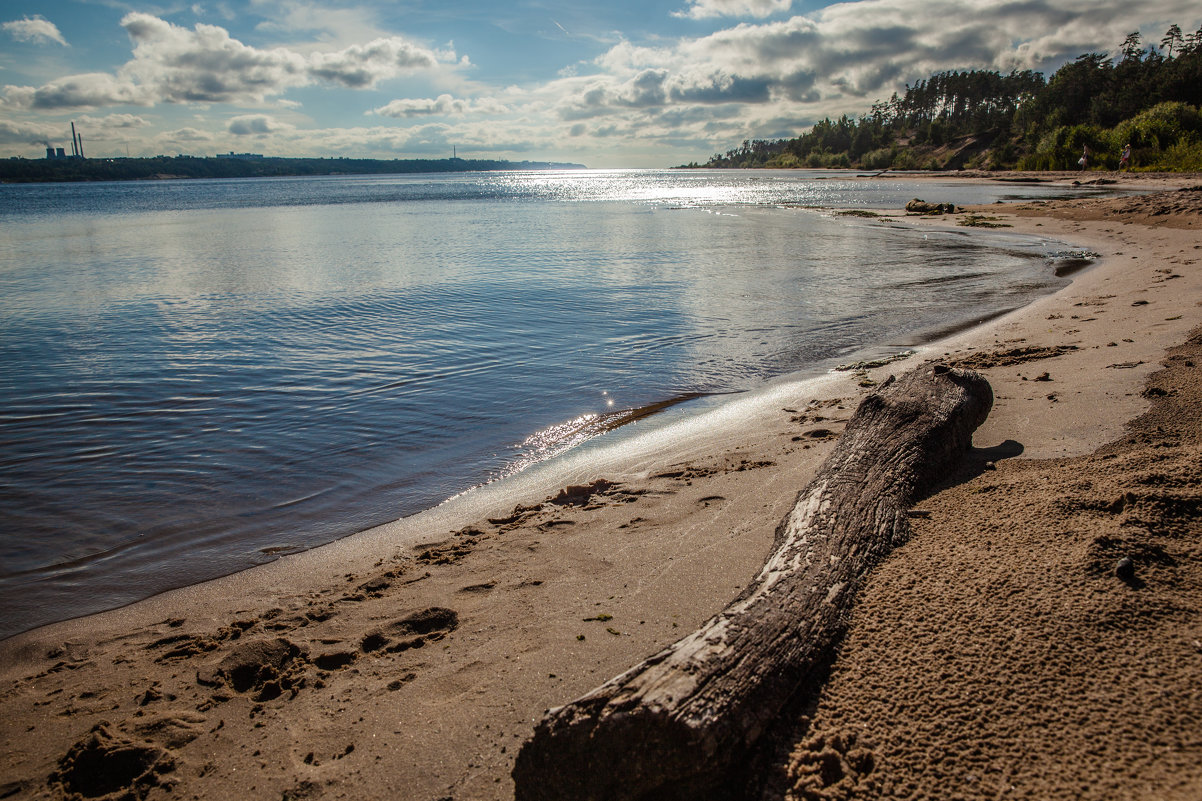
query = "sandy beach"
{"x": 997, "y": 654}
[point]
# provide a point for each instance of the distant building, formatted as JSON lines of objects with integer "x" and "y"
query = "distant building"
{"x": 55, "y": 153}
{"x": 233, "y": 155}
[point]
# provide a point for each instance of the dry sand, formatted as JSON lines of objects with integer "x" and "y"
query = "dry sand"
{"x": 995, "y": 655}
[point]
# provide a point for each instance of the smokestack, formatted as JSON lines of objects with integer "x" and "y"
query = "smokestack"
{"x": 74, "y": 144}
{"x": 81, "y": 145}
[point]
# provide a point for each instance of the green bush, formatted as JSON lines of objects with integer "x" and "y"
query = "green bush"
{"x": 999, "y": 158}
{"x": 784, "y": 160}
{"x": 1159, "y": 127}
{"x": 1060, "y": 148}
{"x": 1036, "y": 162}
{"x": 1181, "y": 157}
{"x": 880, "y": 159}
{"x": 905, "y": 160}
{"x": 1164, "y": 137}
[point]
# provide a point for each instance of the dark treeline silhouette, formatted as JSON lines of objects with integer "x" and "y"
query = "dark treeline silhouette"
{"x": 1145, "y": 96}
{"x": 128, "y": 169}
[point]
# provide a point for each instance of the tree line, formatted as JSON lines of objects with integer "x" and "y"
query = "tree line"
{"x": 1147, "y": 96}
{"x": 19, "y": 170}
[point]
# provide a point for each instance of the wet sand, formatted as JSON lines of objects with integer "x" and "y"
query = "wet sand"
{"x": 997, "y": 654}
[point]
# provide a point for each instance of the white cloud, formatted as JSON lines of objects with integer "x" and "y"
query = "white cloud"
{"x": 90, "y": 90}
{"x": 185, "y": 137}
{"x": 360, "y": 66}
{"x": 35, "y": 29}
{"x": 328, "y": 25}
{"x": 444, "y": 105}
{"x": 17, "y": 97}
{"x": 113, "y": 121}
{"x": 704, "y": 9}
{"x": 255, "y": 125}
{"x": 205, "y": 64}
{"x": 13, "y": 132}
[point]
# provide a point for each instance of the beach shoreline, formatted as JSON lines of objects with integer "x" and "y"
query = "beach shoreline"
{"x": 417, "y": 656}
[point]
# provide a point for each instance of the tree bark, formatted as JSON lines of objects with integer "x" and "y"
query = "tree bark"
{"x": 680, "y": 722}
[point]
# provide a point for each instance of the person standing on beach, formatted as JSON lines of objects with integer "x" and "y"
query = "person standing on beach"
{"x": 1125, "y": 160}
{"x": 1084, "y": 160}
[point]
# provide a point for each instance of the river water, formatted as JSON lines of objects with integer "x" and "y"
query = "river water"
{"x": 198, "y": 376}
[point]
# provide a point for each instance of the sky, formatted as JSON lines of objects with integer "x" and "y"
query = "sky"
{"x": 620, "y": 83}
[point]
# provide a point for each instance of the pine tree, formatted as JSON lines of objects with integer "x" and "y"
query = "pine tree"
{"x": 1132, "y": 47}
{"x": 1172, "y": 39}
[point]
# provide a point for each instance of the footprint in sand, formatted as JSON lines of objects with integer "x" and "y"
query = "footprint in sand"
{"x": 263, "y": 669}
{"x": 104, "y": 764}
{"x": 487, "y": 586}
{"x": 411, "y": 631}
{"x": 184, "y": 646}
{"x": 445, "y": 553}
{"x": 171, "y": 729}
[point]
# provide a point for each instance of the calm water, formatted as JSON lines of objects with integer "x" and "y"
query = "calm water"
{"x": 198, "y": 376}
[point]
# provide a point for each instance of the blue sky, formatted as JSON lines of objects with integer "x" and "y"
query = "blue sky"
{"x": 622, "y": 83}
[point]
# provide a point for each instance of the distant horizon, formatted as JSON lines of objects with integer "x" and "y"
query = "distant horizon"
{"x": 618, "y": 84}
{"x": 59, "y": 167}
{"x": 232, "y": 154}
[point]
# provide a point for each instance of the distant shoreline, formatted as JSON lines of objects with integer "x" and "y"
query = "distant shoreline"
{"x": 160, "y": 168}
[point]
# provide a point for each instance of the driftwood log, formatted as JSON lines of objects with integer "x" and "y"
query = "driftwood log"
{"x": 682, "y": 722}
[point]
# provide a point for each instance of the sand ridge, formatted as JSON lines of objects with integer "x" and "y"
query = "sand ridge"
{"x": 419, "y": 672}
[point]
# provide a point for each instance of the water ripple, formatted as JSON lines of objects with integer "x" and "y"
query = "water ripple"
{"x": 197, "y": 378}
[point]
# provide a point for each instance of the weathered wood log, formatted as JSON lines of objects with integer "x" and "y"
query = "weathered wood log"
{"x": 678, "y": 724}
